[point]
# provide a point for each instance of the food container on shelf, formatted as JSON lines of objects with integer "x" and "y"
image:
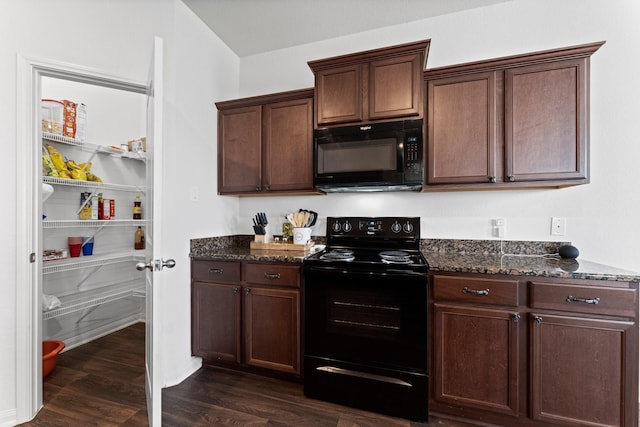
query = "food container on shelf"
{"x": 52, "y": 112}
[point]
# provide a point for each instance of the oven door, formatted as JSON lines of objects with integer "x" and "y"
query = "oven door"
{"x": 377, "y": 318}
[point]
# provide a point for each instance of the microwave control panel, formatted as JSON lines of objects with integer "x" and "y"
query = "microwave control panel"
{"x": 412, "y": 149}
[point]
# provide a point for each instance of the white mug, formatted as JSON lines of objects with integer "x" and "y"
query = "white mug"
{"x": 301, "y": 235}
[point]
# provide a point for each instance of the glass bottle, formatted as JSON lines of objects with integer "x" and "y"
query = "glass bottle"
{"x": 137, "y": 207}
{"x": 138, "y": 242}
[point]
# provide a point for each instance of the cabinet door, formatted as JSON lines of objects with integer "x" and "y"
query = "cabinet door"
{"x": 476, "y": 358}
{"x": 339, "y": 94}
{"x": 582, "y": 371}
{"x": 395, "y": 87}
{"x": 239, "y": 150}
{"x": 272, "y": 328}
{"x": 546, "y": 123}
{"x": 461, "y": 129}
{"x": 215, "y": 321}
{"x": 288, "y": 145}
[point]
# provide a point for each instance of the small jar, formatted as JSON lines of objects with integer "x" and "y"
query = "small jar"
{"x": 286, "y": 232}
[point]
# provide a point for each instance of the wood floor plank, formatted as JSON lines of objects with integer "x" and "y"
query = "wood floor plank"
{"x": 101, "y": 383}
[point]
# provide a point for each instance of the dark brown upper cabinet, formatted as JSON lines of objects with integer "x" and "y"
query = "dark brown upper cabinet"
{"x": 265, "y": 144}
{"x": 380, "y": 84}
{"x": 512, "y": 122}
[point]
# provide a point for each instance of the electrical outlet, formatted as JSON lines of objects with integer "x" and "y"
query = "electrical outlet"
{"x": 558, "y": 226}
{"x": 499, "y": 225}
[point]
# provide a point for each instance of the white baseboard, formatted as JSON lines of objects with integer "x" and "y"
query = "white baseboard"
{"x": 193, "y": 366}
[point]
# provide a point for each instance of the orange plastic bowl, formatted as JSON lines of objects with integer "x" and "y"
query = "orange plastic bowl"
{"x": 50, "y": 351}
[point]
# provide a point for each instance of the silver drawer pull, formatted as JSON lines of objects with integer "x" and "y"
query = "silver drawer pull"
{"x": 272, "y": 276}
{"x": 475, "y": 291}
{"x": 584, "y": 300}
{"x": 216, "y": 271}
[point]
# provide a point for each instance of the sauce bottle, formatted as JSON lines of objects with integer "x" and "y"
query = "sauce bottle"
{"x": 137, "y": 207}
{"x": 138, "y": 241}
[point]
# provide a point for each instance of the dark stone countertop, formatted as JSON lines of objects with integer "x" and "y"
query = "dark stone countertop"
{"x": 513, "y": 258}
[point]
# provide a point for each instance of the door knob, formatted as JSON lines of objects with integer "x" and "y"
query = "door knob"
{"x": 159, "y": 264}
{"x": 170, "y": 263}
{"x": 140, "y": 266}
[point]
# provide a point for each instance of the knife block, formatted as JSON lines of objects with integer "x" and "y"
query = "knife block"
{"x": 263, "y": 238}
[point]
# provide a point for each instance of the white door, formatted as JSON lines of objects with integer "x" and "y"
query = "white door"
{"x": 153, "y": 234}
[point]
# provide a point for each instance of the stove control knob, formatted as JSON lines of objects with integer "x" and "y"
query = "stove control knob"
{"x": 396, "y": 227}
{"x": 408, "y": 228}
{"x": 346, "y": 227}
{"x": 336, "y": 227}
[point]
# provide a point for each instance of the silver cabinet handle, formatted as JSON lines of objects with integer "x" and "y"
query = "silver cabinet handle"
{"x": 475, "y": 291}
{"x": 538, "y": 319}
{"x": 216, "y": 270}
{"x": 584, "y": 300}
{"x": 272, "y": 276}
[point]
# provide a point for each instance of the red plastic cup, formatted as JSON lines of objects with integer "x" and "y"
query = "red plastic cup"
{"x": 75, "y": 245}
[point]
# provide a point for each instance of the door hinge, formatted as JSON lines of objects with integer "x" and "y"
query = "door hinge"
{"x": 32, "y": 257}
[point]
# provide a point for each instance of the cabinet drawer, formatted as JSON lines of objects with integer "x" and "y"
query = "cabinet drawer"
{"x": 584, "y": 298}
{"x": 272, "y": 274}
{"x": 215, "y": 271}
{"x": 477, "y": 290}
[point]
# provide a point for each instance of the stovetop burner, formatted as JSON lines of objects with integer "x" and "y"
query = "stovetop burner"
{"x": 339, "y": 255}
{"x": 395, "y": 257}
{"x": 374, "y": 244}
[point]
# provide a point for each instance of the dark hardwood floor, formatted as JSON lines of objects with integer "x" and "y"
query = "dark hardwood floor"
{"x": 102, "y": 383}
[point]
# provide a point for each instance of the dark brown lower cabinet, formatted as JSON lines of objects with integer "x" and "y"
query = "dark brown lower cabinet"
{"x": 272, "y": 328}
{"x": 546, "y": 352}
{"x": 216, "y": 321}
{"x": 251, "y": 320}
{"x": 476, "y": 350}
{"x": 579, "y": 372}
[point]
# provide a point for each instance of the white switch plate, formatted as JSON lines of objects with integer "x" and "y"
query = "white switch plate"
{"x": 558, "y": 226}
{"x": 194, "y": 194}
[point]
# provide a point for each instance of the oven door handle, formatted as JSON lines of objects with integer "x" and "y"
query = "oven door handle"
{"x": 366, "y": 375}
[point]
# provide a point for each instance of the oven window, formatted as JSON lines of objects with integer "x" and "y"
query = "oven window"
{"x": 357, "y": 156}
{"x": 363, "y": 314}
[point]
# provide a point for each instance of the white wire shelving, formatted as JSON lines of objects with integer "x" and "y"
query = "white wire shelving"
{"x": 79, "y": 223}
{"x": 77, "y": 263}
{"x": 90, "y": 300}
{"x": 93, "y": 148}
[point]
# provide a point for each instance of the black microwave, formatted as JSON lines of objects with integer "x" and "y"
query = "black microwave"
{"x": 372, "y": 157}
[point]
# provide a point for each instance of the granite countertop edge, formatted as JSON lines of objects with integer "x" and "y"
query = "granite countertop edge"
{"x": 455, "y": 256}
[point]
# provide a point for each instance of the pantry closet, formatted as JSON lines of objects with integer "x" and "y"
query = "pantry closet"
{"x": 99, "y": 291}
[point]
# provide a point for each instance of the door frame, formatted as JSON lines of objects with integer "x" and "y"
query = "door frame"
{"x": 29, "y": 238}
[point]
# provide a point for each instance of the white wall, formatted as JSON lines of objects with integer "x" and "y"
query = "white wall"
{"x": 116, "y": 38}
{"x": 601, "y": 217}
{"x": 205, "y": 71}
